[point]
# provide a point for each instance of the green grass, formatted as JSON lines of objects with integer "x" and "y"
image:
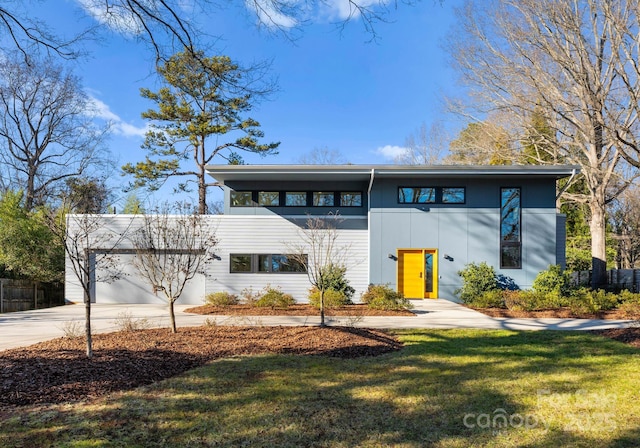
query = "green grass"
{"x": 555, "y": 388}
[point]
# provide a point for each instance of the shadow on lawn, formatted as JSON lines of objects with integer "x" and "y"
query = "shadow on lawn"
{"x": 416, "y": 397}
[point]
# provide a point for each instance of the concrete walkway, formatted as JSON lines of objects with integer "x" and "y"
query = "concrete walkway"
{"x": 28, "y": 327}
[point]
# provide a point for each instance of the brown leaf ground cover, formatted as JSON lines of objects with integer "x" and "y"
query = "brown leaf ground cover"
{"x": 564, "y": 313}
{"x": 58, "y": 371}
{"x": 629, "y": 336}
{"x": 295, "y": 310}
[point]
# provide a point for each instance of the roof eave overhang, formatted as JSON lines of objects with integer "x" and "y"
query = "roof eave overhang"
{"x": 225, "y": 173}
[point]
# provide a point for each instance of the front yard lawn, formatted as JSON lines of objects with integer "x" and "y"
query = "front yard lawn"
{"x": 445, "y": 388}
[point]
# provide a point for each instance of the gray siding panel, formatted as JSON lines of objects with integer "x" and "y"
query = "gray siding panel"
{"x": 246, "y": 234}
{"x": 561, "y": 240}
{"x": 464, "y": 236}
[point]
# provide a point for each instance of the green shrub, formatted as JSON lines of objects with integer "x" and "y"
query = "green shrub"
{"x": 488, "y": 299}
{"x": 553, "y": 281}
{"x": 221, "y": 298}
{"x": 585, "y": 300}
{"x": 628, "y": 296}
{"x": 332, "y": 298}
{"x": 382, "y": 297}
{"x": 476, "y": 280}
{"x": 518, "y": 300}
{"x": 334, "y": 277}
{"x": 527, "y": 300}
{"x": 630, "y": 309}
{"x": 629, "y": 304}
{"x": 274, "y": 298}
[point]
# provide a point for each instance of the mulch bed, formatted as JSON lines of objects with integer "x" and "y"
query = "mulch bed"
{"x": 563, "y": 313}
{"x": 629, "y": 336}
{"x": 294, "y": 310}
{"x": 58, "y": 371}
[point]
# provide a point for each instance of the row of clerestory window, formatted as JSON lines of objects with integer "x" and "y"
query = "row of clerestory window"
{"x": 296, "y": 198}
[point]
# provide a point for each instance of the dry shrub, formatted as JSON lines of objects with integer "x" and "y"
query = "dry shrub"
{"x": 221, "y": 298}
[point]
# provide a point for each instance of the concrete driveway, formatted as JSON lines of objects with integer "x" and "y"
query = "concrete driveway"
{"x": 28, "y": 327}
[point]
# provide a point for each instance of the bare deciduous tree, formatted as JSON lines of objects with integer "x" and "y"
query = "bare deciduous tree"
{"x": 571, "y": 59}
{"x": 624, "y": 218}
{"x": 426, "y": 146}
{"x": 46, "y": 132}
{"x": 165, "y": 25}
{"x": 323, "y": 156}
{"x": 27, "y": 34}
{"x": 87, "y": 244}
{"x": 318, "y": 250}
{"x": 171, "y": 249}
{"x": 484, "y": 143}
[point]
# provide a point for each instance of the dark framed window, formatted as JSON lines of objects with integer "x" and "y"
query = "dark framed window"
{"x": 269, "y": 198}
{"x": 241, "y": 199}
{"x": 510, "y": 228}
{"x": 295, "y": 199}
{"x": 453, "y": 195}
{"x": 416, "y": 195}
{"x": 350, "y": 199}
{"x": 279, "y": 263}
{"x": 323, "y": 198}
{"x": 240, "y": 263}
{"x": 266, "y": 263}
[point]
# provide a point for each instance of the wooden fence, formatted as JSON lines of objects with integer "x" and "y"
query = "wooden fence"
{"x": 617, "y": 279}
{"x": 22, "y": 295}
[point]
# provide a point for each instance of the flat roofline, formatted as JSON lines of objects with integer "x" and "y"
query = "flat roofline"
{"x": 223, "y": 173}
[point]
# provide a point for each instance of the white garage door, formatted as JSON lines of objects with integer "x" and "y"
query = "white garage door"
{"x": 132, "y": 288}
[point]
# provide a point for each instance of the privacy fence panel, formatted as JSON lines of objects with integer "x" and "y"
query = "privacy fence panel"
{"x": 22, "y": 295}
{"x": 617, "y": 279}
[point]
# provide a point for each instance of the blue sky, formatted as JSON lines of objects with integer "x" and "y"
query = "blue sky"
{"x": 336, "y": 89}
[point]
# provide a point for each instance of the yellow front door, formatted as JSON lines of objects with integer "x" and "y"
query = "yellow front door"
{"x": 412, "y": 274}
{"x": 418, "y": 273}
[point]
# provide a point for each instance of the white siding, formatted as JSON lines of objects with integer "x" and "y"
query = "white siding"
{"x": 130, "y": 287}
{"x": 276, "y": 235}
{"x": 238, "y": 235}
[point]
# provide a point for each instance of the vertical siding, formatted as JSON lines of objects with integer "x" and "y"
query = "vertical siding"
{"x": 561, "y": 240}
{"x": 465, "y": 233}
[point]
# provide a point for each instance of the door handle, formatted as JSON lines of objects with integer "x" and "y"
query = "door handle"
{"x": 421, "y": 275}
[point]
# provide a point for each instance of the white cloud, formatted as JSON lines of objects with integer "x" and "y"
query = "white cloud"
{"x": 391, "y": 152}
{"x": 269, "y": 15}
{"x": 118, "y": 19}
{"x": 101, "y": 110}
{"x": 344, "y": 9}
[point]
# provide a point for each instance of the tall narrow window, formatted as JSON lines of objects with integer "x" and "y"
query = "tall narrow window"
{"x": 510, "y": 229}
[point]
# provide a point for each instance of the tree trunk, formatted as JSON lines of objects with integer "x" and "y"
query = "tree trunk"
{"x": 598, "y": 244}
{"x": 87, "y": 325}
{"x": 322, "y": 323}
{"x": 29, "y": 199}
{"x": 172, "y": 316}
{"x": 87, "y": 304}
{"x": 202, "y": 183}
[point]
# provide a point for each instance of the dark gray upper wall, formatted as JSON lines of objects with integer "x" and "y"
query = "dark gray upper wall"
{"x": 308, "y": 186}
{"x": 537, "y": 192}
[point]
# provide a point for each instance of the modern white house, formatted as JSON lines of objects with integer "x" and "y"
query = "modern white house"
{"x": 412, "y": 227}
